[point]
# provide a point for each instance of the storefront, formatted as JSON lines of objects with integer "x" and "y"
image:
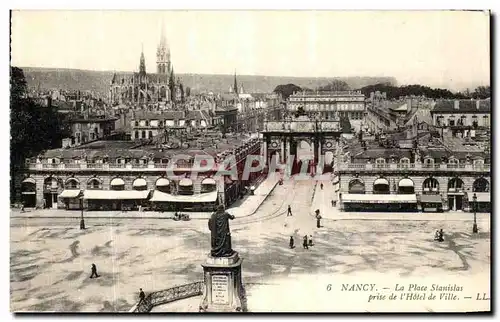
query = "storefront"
{"x": 28, "y": 193}
{"x": 431, "y": 203}
{"x": 379, "y": 202}
{"x": 482, "y": 202}
{"x": 162, "y": 201}
{"x": 71, "y": 199}
{"x": 116, "y": 199}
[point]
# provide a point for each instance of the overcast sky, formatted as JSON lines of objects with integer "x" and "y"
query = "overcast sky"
{"x": 436, "y": 48}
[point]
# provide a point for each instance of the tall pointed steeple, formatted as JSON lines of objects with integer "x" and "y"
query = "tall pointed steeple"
{"x": 142, "y": 63}
{"x": 163, "y": 53}
{"x": 235, "y": 86}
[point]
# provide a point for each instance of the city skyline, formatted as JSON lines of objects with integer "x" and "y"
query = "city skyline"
{"x": 432, "y": 47}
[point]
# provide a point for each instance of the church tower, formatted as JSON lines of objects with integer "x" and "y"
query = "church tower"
{"x": 235, "y": 86}
{"x": 142, "y": 64}
{"x": 163, "y": 54}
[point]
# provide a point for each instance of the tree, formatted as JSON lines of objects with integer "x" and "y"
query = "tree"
{"x": 482, "y": 92}
{"x": 334, "y": 86}
{"x": 33, "y": 128}
{"x": 286, "y": 90}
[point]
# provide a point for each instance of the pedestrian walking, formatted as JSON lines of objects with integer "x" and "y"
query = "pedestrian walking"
{"x": 304, "y": 243}
{"x": 318, "y": 219}
{"x": 142, "y": 296}
{"x": 311, "y": 241}
{"x": 289, "y": 213}
{"x": 292, "y": 243}
{"x": 94, "y": 271}
{"x": 333, "y": 204}
{"x": 321, "y": 186}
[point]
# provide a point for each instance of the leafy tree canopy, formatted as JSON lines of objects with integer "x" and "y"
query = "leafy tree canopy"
{"x": 287, "y": 90}
{"x": 334, "y": 86}
{"x": 33, "y": 128}
{"x": 394, "y": 92}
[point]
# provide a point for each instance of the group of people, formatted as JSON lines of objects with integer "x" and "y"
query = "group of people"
{"x": 439, "y": 236}
{"x": 307, "y": 242}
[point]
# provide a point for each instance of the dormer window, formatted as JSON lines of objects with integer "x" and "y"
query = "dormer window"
{"x": 428, "y": 163}
{"x": 453, "y": 163}
{"x": 404, "y": 163}
{"x": 478, "y": 163}
{"x": 380, "y": 163}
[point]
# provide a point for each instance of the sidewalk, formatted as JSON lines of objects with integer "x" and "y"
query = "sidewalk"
{"x": 247, "y": 207}
{"x": 252, "y": 202}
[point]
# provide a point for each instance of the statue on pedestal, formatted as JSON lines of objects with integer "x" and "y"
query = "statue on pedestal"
{"x": 220, "y": 233}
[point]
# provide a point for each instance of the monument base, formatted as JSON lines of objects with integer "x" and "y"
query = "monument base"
{"x": 224, "y": 290}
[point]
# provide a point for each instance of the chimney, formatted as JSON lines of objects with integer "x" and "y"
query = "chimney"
{"x": 456, "y": 104}
{"x": 408, "y": 104}
{"x": 477, "y": 104}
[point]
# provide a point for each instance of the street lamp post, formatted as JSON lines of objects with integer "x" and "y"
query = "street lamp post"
{"x": 82, "y": 222}
{"x": 474, "y": 227}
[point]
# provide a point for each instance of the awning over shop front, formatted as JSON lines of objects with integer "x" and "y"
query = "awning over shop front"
{"x": 29, "y": 180}
{"x": 117, "y": 182}
{"x": 115, "y": 195}
{"x": 159, "y": 196}
{"x": 381, "y": 181}
{"x": 431, "y": 198}
{"x": 481, "y": 197}
{"x": 140, "y": 182}
{"x": 185, "y": 182}
{"x": 378, "y": 198}
{"x": 73, "y": 193}
{"x": 405, "y": 183}
{"x": 162, "y": 182}
{"x": 208, "y": 181}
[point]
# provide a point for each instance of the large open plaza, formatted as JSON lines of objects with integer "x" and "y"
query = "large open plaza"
{"x": 51, "y": 257}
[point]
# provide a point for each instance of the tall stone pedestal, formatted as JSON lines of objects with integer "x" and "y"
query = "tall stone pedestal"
{"x": 224, "y": 290}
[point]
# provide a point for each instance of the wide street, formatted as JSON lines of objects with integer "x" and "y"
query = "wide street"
{"x": 51, "y": 257}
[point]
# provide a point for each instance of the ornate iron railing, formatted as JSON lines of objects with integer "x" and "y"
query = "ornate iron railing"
{"x": 169, "y": 295}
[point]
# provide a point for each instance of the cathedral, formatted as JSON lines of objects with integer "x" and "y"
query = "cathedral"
{"x": 144, "y": 88}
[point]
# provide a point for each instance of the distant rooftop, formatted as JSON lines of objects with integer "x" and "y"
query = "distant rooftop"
{"x": 462, "y": 106}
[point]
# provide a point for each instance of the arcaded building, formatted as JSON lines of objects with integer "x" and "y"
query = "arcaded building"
{"x": 125, "y": 175}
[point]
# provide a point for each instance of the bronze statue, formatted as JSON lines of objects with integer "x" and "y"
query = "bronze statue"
{"x": 220, "y": 234}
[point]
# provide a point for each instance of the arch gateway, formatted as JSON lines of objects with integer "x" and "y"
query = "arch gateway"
{"x": 282, "y": 139}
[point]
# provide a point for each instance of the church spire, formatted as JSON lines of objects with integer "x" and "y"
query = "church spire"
{"x": 163, "y": 38}
{"x": 142, "y": 63}
{"x": 235, "y": 86}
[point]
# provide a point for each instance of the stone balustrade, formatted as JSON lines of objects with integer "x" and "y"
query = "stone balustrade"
{"x": 418, "y": 166}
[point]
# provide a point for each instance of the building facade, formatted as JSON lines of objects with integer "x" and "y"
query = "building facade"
{"x": 150, "y": 125}
{"x": 329, "y": 105}
{"x": 131, "y": 178}
{"x": 414, "y": 179}
{"x": 462, "y": 117}
{"x": 147, "y": 88}
{"x": 89, "y": 129}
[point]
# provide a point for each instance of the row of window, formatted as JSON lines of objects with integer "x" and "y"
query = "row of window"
{"x": 429, "y": 161}
{"x": 462, "y": 121}
{"x": 381, "y": 185}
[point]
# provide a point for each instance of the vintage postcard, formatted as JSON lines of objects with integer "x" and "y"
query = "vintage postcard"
{"x": 250, "y": 161}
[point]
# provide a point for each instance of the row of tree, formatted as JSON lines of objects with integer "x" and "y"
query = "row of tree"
{"x": 33, "y": 128}
{"x": 392, "y": 92}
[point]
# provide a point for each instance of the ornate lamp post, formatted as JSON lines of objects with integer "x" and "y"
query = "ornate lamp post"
{"x": 474, "y": 227}
{"x": 82, "y": 222}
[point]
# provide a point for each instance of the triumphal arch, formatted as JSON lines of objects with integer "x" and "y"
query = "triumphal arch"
{"x": 281, "y": 138}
